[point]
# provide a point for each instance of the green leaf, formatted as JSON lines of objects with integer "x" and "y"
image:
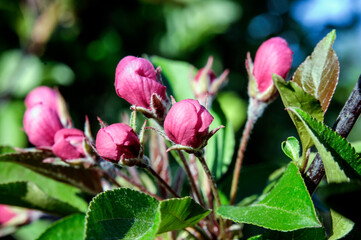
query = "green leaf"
{"x": 257, "y": 174}
{"x": 29, "y": 195}
{"x": 357, "y": 146}
{"x": 190, "y": 25}
{"x": 287, "y": 207}
{"x": 341, "y": 226}
{"x": 19, "y": 72}
{"x": 339, "y": 158}
{"x": 301, "y": 234}
{"x": 23, "y": 187}
{"x": 291, "y": 148}
{"x": 180, "y": 213}
{"x": 122, "y": 214}
{"x": 127, "y": 214}
{"x": 293, "y": 96}
{"x": 11, "y": 123}
{"x": 69, "y": 228}
{"x": 220, "y": 147}
{"x": 6, "y": 149}
{"x": 33, "y": 230}
{"x": 341, "y": 197}
{"x": 86, "y": 179}
{"x": 318, "y": 74}
{"x": 234, "y": 108}
{"x": 178, "y": 75}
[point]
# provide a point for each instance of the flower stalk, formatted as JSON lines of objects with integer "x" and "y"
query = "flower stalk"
{"x": 160, "y": 179}
{"x": 190, "y": 177}
{"x": 214, "y": 191}
{"x": 255, "y": 110}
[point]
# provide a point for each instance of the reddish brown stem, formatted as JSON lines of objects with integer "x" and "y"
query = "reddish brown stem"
{"x": 190, "y": 177}
{"x": 161, "y": 180}
{"x": 215, "y": 193}
{"x": 255, "y": 110}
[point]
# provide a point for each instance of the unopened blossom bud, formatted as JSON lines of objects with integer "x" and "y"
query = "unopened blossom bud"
{"x": 69, "y": 144}
{"x": 44, "y": 95}
{"x": 206, "y": 83}
{"x": 51, "y": 98}
{"x": 187, "y": 123}
{"x": 274, "y": 56}
{"x": 117, "y": 141}
{"x": 13, "y": 216}
{"x": 139, "y": 83}
{"x": 40, "y": 124}
{"x": 203, "y": 79}
{"x": 6, "y": 214}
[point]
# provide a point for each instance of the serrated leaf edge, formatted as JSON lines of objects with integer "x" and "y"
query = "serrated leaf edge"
{"x": 346, "y": 145}
{"x": 309, "y": 198}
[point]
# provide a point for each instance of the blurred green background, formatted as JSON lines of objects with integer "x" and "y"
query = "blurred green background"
{"x": 76, "y": 45}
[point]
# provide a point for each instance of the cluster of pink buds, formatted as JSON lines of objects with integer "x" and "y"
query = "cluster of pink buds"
{"x": 274, "y": 56}
{"x": 48, "y": 125}
{"x": 186, "y": 124}
{"x": 138, "y": 82}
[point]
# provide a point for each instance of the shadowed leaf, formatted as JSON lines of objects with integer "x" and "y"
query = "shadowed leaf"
{"x": 342, "y": 197}
{"x": 69, "y": 228}
{"x": 22, "y": 187}
{"x": 29, "y": 195}
{"x": 87, "y": 180}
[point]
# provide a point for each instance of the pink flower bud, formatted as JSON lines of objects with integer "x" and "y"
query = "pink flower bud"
{"x": 13, "y": 217}
{"x": 210, "y": 75}
{"x": 6, "y": 214}
{"x": 40, "y": 124}
{"x": 187, "y": 123}
{"x": 44, "y": 95}
{"x": 202, "y": 82}
{"x": 206, "y": 84}
{"x": 273, "y": 56}
{"x": 116, "y": 141}
{"x": 136, "y": 81}
{"x": 69, "y": 144}
{"x": 51, "y": 98}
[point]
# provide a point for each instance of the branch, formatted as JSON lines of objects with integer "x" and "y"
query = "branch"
{"x": 343, "y": 125}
